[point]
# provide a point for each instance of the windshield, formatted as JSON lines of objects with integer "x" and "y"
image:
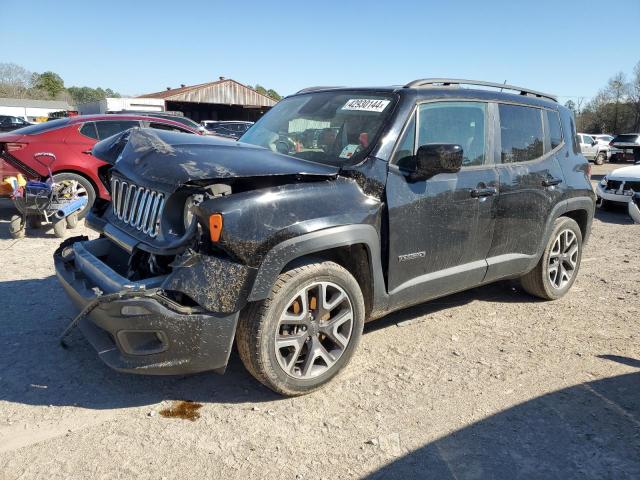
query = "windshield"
{"x": 325, "y": 127}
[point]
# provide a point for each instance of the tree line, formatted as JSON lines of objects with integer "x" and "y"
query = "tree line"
{"x": 18, "y": 82}
{"x": 615, "y": 109}
{"x": 269, "y": 93}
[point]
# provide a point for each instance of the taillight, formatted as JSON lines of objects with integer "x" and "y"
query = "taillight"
{"x": 12, "y": 147}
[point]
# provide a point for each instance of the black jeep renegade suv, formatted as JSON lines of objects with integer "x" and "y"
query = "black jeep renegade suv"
{"x": 339, "y": 206}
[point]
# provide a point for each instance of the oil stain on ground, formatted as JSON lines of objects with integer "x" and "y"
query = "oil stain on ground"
{"x": 184, "y": 409}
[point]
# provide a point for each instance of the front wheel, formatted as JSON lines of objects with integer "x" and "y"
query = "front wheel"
{"x": 302, "y": 336}
{"x": 558, "y": 267}
{"x": 601, "y": 158}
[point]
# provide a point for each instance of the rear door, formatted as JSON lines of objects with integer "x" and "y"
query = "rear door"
{"x": 530, "y": 186}
{"x": 440, "y": 229}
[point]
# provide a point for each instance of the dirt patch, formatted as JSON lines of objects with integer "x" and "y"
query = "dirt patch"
{"x": 184, "y": 409}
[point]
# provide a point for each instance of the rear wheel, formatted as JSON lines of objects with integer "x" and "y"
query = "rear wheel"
{"x": 558, "y": 267}
{"x": 77, "y": 186}
{"x": 302, "y": 336}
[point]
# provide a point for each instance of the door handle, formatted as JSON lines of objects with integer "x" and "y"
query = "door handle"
{"x": 483, "y": 192}
{"x": 550, "y": 182}
{"x": 87, "y": 152}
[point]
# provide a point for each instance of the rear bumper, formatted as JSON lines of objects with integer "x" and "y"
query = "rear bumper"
{"x": 144, "y": 333}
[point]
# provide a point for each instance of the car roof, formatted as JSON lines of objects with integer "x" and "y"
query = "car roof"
{"x": 424, "y": 93}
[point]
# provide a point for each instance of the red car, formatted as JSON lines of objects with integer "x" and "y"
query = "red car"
{"x": 71, "y": 140}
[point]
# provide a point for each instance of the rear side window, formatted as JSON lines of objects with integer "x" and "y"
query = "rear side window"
{"x": 626, "y": 138}
{"x": 520, "y": 133}
{"x": 108, "y": 128}
{"x": 555, "y": 132}
{"x": 89, "y": 130}
{"x": 460, "y": 123}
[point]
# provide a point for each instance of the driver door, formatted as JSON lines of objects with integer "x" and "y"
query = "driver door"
{"x": 440, "y": 229}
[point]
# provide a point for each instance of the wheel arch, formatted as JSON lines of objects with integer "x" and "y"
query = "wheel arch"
{"x": 354, "y": 247}
{"x": 96, "y": 188}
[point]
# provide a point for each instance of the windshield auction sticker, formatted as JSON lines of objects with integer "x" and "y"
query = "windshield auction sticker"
{"x": 366, "y": 104}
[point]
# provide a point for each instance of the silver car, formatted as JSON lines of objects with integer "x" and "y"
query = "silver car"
{"x": 596, "y": 147}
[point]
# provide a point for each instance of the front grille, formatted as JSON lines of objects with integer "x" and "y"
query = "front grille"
{"x": 635, "y": 186}
{"x": 137, "y": 206}
{"x": 613, "y": 184}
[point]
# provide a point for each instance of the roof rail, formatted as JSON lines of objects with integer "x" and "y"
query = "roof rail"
{"x": 456, "y": 82}
{"x": 315, "y": 89}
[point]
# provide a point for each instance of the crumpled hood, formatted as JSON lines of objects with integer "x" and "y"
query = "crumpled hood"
{"x": 167, "y": 160}
{"x": 625, "y": 173}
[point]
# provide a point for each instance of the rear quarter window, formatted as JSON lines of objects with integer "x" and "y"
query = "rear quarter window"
{"x": 555, "y": 131}
{"x": 89, "y": 130}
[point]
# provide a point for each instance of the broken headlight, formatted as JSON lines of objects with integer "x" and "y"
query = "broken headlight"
{"x": 187, "y": 214}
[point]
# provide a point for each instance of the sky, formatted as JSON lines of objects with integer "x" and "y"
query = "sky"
{"x": 564, "y": 47}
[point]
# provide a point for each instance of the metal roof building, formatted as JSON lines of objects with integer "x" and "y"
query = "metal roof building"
{"x": 224, "y": 99}
{"x": 31, "y": 109}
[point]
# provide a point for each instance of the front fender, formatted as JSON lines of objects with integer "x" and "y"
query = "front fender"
{"x": 283, "y": 253}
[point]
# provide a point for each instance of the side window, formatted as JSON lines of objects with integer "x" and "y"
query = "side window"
{"x": 520, "y": 133}
{"x": 460, "y": 123}
{"x": 404, "y": 154}
{"x": 555, "y": 132}
{"x": 89, "y": 130}
{"x": 108, "y": 128}
{"x": 164, "y": 126}
{"x": 587, "y": 139}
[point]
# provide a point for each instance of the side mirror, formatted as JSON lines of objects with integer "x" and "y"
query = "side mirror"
{"x": 594, "y": 143}
{"x": 435, "y": 158}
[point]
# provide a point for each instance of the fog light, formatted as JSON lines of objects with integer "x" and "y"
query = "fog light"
{"x": 134, "y": 311}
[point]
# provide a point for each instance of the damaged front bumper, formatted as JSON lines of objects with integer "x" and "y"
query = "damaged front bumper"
{"x": 139, "y": 328}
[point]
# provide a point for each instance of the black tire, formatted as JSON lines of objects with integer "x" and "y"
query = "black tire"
{"x": 17, "y": 227}
{"x": 600, "y": 158}
{"x": 605, "y": 204}
{"x": 259, "y": 322}
{"x": 34, "y": 221}
{"x": 84, "y": 183}
{"x": 60, "y": 228}
{"x": 537, "y": 282}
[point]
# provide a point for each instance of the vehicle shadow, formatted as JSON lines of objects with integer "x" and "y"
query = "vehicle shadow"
{"x": 589, "y": 431}
{"x": 36, "y": 370}
{"x": 616, "y": 214}
{"x": 499, "y": 292}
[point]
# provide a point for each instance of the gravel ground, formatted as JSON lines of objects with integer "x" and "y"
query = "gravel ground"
{"x": 489, "y": 383}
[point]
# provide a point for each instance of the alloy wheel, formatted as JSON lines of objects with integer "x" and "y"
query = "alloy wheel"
{"x": 314, "y": 330}
{"x": 563, "y": 259}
